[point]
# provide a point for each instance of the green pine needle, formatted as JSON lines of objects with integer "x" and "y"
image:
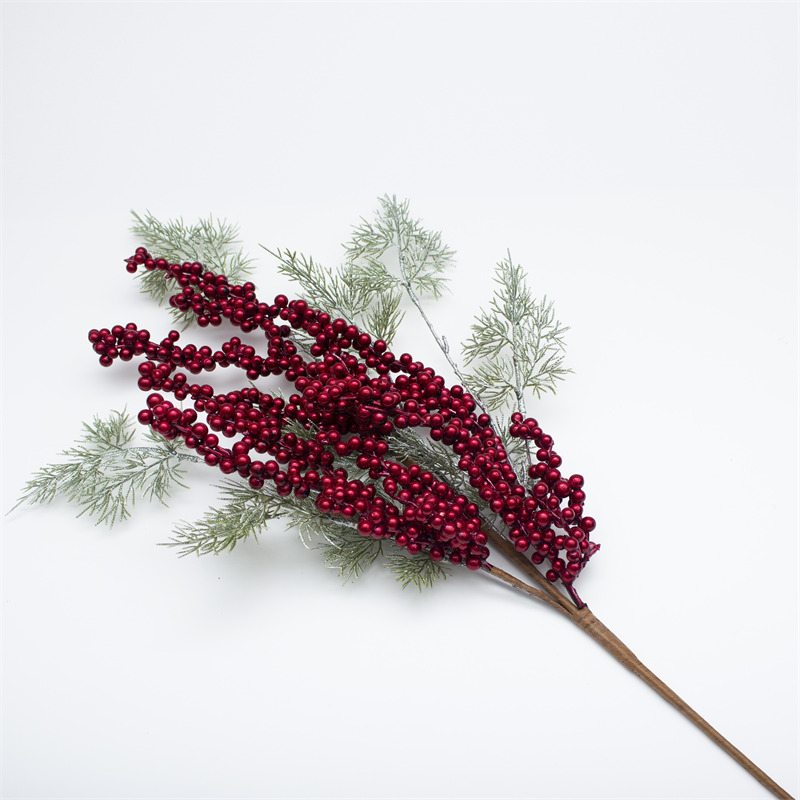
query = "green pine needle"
{"x": 103, "y": 474}
{"x": 383, "y": 316}
{"x": 374, "y": 307}
{"x": 349, "y": 552}
{"x": 518, "y": 344}
{"x": 212, "y": 242}
{"x": 393, "y": 239}
{"x": 244, "y": 513}
{"x": 420, "y": 570}
{"x": 343, "y": 547}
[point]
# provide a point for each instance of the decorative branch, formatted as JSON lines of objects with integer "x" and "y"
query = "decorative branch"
{"x": 373, "y": 456}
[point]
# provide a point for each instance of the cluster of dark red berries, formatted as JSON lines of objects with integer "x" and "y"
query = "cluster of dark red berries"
{"x": 352, "y": 393}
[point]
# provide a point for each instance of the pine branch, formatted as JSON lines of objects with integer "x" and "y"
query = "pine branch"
{"x": 518, "y": 343}
{"x": 365, "y": 291}
{"x": 212, "y": 242}
{"x": 80, "y": 479}
{"x": 383, "y": 316}
{"x": 103, "y": 473}
{"x": 372, "y": 305}
{"x": 350, "y": 553}
{"x": 421, "y": 260}
{"x": 420, "y": 570}
{"x": 393, "y": 236}
{"x": 370, "y": 272}
{"x": 343, "y": 547}
{"x": 320, "y": 287}
{"x": 244, "y": 513}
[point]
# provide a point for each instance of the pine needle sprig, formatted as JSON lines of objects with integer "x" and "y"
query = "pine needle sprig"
{"x": 420, "y": 570}
{"x": 243, "y": 514}
{"x": 212, "y": 242}
{"x": 350, "y": 553}
{"x": 394, "y": 250}
{"x": 343, "y": 547}
{"x": 383, "y": 315}
{"x": 150, "y": 471}
{"x": 78, "y": 478}
{"x": 322, "y": 287}
{"x": 308, "y": 522}
{"x": 393, "y": 236}
{"x": 103, "y": 473}
{"x": 518, "y": 343}
{"x": 343, "y": 292}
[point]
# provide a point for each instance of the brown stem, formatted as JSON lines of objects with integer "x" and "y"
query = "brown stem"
{"x": 506, "y": 547}
{"x": 589, "y": 623}
{"x": 518, "y": 584}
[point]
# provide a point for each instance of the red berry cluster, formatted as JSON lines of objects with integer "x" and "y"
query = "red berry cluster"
{"x": 353, "y": 393}
{"x": 551, "y": 489}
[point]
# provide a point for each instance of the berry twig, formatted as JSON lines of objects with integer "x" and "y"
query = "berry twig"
{"x": 351, "y": 394}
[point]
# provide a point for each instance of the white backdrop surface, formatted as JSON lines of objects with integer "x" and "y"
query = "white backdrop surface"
{"x": 640, "y": 160}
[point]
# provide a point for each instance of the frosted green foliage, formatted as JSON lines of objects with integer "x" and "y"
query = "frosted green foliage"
{"x": 420, "y": 570}
{"x": 343, "y": 547}
{"x": 386, "y": 258}
{"x": 214, "y": 243}
{"x": 244, "y": 512}
{"x": 516, "y": 345}
{"x": 382, "y": 317}
{"x": 340, "y": 293}
{"x": 350, "y": 553}
{"x": 394, "y": 250}
{"x": 104, "y": 473}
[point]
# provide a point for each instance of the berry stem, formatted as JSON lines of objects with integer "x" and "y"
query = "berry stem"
{"x": 585, "y": 619}
{"x": 589, "y": 623}
{"x": 504, "y": 576}
{"x": 506, "y": 547}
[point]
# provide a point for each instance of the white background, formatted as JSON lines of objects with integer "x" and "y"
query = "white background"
{"x": 640, "y": 159}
